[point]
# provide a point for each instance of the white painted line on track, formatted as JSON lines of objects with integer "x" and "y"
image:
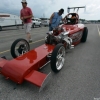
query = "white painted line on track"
{"x": 98, "y": 30}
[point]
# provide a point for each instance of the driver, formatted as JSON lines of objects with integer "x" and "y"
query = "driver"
{"x": 73, "y": 18}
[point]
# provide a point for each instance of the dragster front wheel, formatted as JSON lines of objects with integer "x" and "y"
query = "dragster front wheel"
{"x": 58, "y": 58}
{"x": 19, "y": 47}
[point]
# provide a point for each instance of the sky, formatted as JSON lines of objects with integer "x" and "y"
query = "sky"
{"x": 44, "y": 8}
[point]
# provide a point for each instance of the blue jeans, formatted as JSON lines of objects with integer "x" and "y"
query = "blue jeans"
{"x": 50, "y": 28}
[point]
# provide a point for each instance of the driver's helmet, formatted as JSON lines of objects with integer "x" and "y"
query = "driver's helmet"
{"x": 73, "y": 16}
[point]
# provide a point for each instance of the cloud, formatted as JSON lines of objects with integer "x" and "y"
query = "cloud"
{"x": 44, "y": 8}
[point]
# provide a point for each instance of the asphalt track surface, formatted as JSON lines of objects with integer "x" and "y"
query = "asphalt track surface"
{"x": 78, "y": 80}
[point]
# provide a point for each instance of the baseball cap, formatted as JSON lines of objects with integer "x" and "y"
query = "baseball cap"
{"x": 61, "y": 10}
{"x": 24, "y": 1}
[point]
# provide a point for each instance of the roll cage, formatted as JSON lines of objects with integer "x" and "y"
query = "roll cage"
{"x": 71, "y": 20}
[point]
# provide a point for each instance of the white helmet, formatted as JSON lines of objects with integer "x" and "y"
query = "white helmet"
{"x": 24, "y": 1}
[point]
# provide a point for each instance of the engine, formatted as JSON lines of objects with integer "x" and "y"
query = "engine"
{"x": 56, "y": 36}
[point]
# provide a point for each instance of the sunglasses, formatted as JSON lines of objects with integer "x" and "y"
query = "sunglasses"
{"x": 24, "y": 2}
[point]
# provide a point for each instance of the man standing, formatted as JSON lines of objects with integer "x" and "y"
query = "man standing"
{"x": 26, "y": 16}
{"x": 55, "y": 19}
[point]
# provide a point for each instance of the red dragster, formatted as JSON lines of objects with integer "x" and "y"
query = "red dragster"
{"x": 26, "y": 62}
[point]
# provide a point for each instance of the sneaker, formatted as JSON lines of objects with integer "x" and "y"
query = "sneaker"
{"x": 30, "y": 40}
{"x": 72, "y": 46}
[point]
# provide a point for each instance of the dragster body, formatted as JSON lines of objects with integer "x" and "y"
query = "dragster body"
{"x": 26, "y": 67}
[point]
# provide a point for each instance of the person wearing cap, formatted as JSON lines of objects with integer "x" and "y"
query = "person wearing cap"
{"x": 55, "y": 19}
{"x": 26, "y": 16}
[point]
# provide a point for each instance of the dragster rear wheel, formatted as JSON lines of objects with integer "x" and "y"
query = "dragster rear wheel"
{"x": 84, "y": 36}
{"x": 0, "y": 28}
{"x": 58, "y": 58}
{"x": 19, "y": 47}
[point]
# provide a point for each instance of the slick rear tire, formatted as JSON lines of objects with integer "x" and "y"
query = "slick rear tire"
{"x": 84, "y": 36}
{"x": 57, "y": 58}
{"x": 13, "y": 47}
{"x": 0, "y": 28}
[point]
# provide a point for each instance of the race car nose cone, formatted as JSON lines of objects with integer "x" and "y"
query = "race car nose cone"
{"x": 46, "y": 80}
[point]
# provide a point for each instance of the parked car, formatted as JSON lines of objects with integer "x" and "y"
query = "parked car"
{"x": 36, "y": 22}
{"x": 45, "y": 23}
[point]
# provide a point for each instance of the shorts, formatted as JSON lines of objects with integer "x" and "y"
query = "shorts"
{"x": 27, "y": 27}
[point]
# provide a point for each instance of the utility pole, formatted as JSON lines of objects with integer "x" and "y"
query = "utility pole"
{"x": 43, "y": 15}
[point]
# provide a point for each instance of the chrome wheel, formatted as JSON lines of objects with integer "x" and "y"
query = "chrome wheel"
{"x": 60, "y": 58}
